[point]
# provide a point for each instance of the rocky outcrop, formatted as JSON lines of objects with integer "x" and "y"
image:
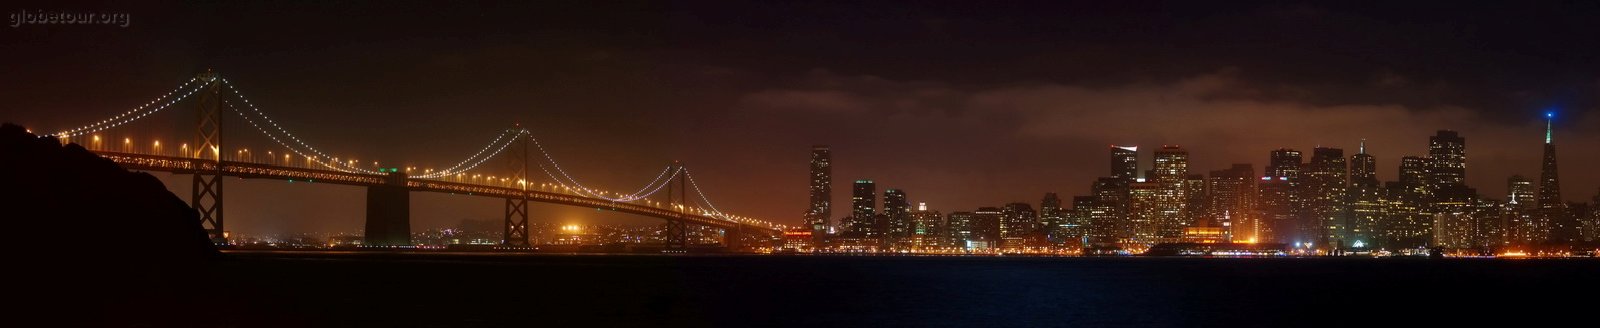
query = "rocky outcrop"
{"x": 89, "y": 237}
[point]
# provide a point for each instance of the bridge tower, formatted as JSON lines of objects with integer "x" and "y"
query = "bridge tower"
{"x": 206, "y": 198}
{"x": 677, "y": 232}
{"x": 516, "y": 224}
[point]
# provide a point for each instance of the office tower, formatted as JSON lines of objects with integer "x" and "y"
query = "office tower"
{"x": 1197, "y": 209}
{"x": 1410, "y": 220}
{"x": 1280, "y": 196}
{"x": 1232, "y": 194}
{"x": 1447, "y": 151}
{"x": 1125, "y": 162}
{"x": 959, "y": 226}
{"x": 1019, "y": 220}
{"x": 1363, "y": 166}
{"x": 1076, "y": 231}
{"x": 1326, "y": 179}
{"x": 1145, "y": 209}
{"x": 1552, "y": 209}
{"x": 1467, "y": 226}
{"x": 1592, "y": 225}
{"x": 1108, "y": 218}
{"x": 1521, "y": 212}
{"x": 821, "y": 210}
{"x": 896, "y": 221}
{"x": 1052, "y": 218}
{"x": 927, "y": 227}
{"x": 986, "y": 225}
{"x": 1171, "y": 174}
{"x": 863, "y": 202}
{"x": 1366, "y": 201}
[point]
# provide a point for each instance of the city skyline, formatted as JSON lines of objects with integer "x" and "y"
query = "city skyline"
{"x": 1328, "y": 204}
{"x": 968, "y": 127}
{"x": 929, "y": 163}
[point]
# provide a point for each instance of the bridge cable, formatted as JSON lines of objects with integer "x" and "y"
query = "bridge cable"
{"x": 129, "y": 116}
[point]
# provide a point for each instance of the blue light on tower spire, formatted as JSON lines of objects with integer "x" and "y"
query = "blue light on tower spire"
{"x": 1549, "y": 121}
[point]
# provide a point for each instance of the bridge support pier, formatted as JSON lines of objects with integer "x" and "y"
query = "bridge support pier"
{"x": 733, "y": 238}
{"x": 677, "y": 237}
{"x": 389, "y": 213}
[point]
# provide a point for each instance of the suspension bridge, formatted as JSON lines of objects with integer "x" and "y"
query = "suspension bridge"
{"x": 210, "y": 160}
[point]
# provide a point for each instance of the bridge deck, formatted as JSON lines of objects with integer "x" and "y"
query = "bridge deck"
{"x": 251, "y": 170}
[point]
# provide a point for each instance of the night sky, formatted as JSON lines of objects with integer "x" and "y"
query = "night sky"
{"x": 962, "y": 104}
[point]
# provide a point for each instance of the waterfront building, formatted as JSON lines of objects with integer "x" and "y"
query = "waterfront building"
{"x": 1233, "y": 202}
{"x": 1280, "y": 202}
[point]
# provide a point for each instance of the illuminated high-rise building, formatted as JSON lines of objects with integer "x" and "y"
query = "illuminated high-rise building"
{"x": 896, "y": 222}
{"x": 1326, "y": 180}
{"x": 821, "y": 209}
{"x": 927, "y": 228}
{"x": 1520, "y": 214}
{"x": 1078, "y": 226}
{"x": 1552, "y": 210}
{"x": 1171, "y": 174}
{"x": 1447, "y": 152}
{"x": 1280, "y": 202}
{"x": 1592, "y": 225}
{"x": 1053, "y": 218}
{"x": 1197, "y": 208}
{"x": 1145, "y": 212}
{"x": 986, "y": 224}
{"x": 960, "y": 228}
{"x": 1232, "y": 195}
{"x": 1019, "y": 220}
{"x": 1410, "y": 221}
{"x": 863, "y": 209}
{"x": 1125, "y": 162}
{"x": 1366, "y": 200}
{"x": 1108, "y": 218}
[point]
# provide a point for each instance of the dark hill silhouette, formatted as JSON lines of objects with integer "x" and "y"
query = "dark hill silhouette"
{"x": 108, "y": 245}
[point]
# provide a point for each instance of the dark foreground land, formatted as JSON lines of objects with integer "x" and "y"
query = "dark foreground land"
{"x": 479, "y": 290}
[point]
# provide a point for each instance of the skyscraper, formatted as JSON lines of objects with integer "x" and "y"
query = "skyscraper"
{"x": 960, "y": 228}
{"x": 1052, "y": 218}
{"x": 1450, "y": 196}
{"x": 1326, "y": 179}
{"x": 986, "y": 225}
{"x": 1409, "y": 203}
{"x": 1077, "y": 229}
{"x": 1521, "y": 212}
{"x": 863, "y": 202}
{"x": 1447, "y": 152}
{"x": 1125, "y": 162}
{"x": 1233, "y": 202}
{"x": 1551, "y": 208}
{"x": 1171, "y": 174}
{"x": 897, "y": 222}
{"x": 1145, "y": 213}
{"x": 1197, "y": 208}
{"x": 821, "y": 210}
{"x": 1280, "y": 196}
{"x": 1366, "y": 199}
{"x": 927, "y": 228}
{"x": 1108, "y": 219}
{"x": 1019, "y": 220}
